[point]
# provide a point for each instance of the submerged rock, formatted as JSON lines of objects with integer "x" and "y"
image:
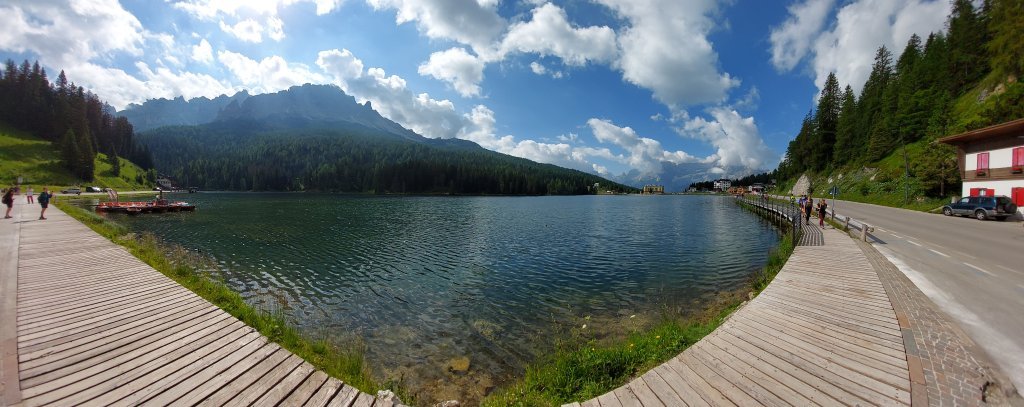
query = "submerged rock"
{"x": 459, "y": 365}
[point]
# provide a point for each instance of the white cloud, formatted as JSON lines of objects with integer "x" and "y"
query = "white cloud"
{"x": 271, "y": 74}
{"x": 736, "y": 138}
{"x": 202, "y": 52}
{"x": 549, "y": 33}
{"x": 848, "y": 48}
{"x": 540, "y": 69}
{"x": 792, "y": 41}
{"x": 665, "y": 49}
{"x": 644, "y": 154}
{"x": 247, "y": 30}
{"x": 471, "y": 22}
{"x": 275, "y": 28}
{"x": 211, "y": 9}
{"x": 457, "y": 67}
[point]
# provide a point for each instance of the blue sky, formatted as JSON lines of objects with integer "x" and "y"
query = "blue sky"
{"x": 615, "y": 87}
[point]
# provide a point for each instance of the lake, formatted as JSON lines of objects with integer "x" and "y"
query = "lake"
{"x": 425, "y": 281}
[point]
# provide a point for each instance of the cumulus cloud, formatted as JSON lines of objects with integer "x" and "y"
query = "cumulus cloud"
{"x": 471, "y": 22}
{"x": 665, "y": 49}
{"x": 735, "y": 137}
{"x": 549, "y": 33}
{"x": 457, "y": 67}
{"x": 247, "y": 30}
{"x": 792, "y": 41}
{"x": 540, "y": 69}
{"x": 847, "y": 47}
{"x": 643, "y": 154}
{"x": 271, "y": 74}
{"x": 202, "y": 52}
{"x": 212, "y": 9}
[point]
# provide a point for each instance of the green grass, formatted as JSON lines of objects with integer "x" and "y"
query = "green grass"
{"x": 187, "y": 268}
{"x": 37, "y": 161}
{"x": 583, "y": 367}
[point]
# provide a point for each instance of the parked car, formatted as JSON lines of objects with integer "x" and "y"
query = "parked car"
{"x": 93, "y": 189}
{"x": 982, "y": 207}
{"x": 76, "y": 191}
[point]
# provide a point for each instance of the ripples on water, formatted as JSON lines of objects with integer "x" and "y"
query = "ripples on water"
{"x": 423, "y": 280}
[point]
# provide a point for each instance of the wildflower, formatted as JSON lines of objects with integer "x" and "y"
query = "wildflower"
{"x": 631, "y": 345}
{"x": 632, "y": 316}
{"x": 584, "y": 326}
{"x": 657, "y": 337}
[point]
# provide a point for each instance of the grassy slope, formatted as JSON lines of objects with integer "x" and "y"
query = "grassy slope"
{"x": 37, "y": 161}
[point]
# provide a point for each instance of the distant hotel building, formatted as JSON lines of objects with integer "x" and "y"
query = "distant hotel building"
{"x": 653, "y": 189}
{"x": 722, "y": 184}
{"x": 991, "y": 160}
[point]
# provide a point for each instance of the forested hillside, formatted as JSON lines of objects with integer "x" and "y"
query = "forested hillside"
{"x": 947, "y": 83}
{"x": 316, "y": 137}
{"x": 220, "y": 157}
{"x": 76, "y": 121}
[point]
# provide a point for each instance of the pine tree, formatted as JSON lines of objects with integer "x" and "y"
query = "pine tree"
{"x": 115, "y": 163}
{"x": 967, "y": 33}
{"x": 69, "y": 151}
{"x": 86, "y": 168}
{"x": 827, "y": 122}
{"x": 912, "y": 104}
{"x": 843, "y": 152}
{"x": 1006, "y": 28}
{"x": 871, "y": 103}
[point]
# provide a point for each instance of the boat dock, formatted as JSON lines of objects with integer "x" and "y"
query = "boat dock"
{"x": 83, "y": 322}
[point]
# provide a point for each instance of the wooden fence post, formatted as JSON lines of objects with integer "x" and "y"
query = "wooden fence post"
{"x": 864, "y": 232}
{"x": 846, "y": 226}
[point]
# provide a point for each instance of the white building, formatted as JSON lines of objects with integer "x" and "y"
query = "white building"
{"x": 991, "y": 160}
{"x": 722, "y": 184}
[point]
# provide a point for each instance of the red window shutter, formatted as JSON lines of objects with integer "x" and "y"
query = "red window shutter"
{"x": 1018, "y": 196}
{"x": 1018, "y": 158}
{"x": 976, "y": 191}
{"x": 990, "y": 192}
{"x": 982, "y": 161}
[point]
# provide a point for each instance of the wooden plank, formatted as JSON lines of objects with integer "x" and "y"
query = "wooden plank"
{"x": 10, "y": 241}
{"x": 877, "y": 319}
{"x": 593, "y": 403}
{"x": 306, "y": 390}
{"x": 608, "y": 399}
{"x": 364, "y": 400}
{"x": 267, "y": 382}
{"x": 324, "y": 394}
{"x": 644, "y": 393}
{"x": 680, "y": 386}
{"x": 626, "y": 397}
{"x": 664, "y": 392}
{"x": 700, "y": 385}
{"x": 886, "y": 346}
{"x": 55, "y": 308}
{"x": 88, "y": 311}
{"x": 787, "y": 307}
{"x": 769, "y": 380}
{"x": 729, "y": 390}
{"x": 345, "y": 397}
{"x": 95, "y": 350}
{"x": 196, "y": 376}
{"x": 241, "y": 383}
{"x": 214, "y": 378}
{"x": 803, "y": 345}
{"x": 755, "y": 390}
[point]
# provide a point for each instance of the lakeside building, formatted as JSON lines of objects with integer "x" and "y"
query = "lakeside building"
{"x": 653, "y": 190}
{"x": 757, "y": 188}
{"x": 991, "y": 160}
{"x": 722, "y": 184}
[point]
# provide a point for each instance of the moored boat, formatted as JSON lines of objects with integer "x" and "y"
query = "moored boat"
{"x": 137, "y": 207}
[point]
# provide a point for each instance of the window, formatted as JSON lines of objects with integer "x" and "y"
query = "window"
{"x": 1018, "y": 160}
{"x": 1018, "y": 196}
{"x": 982, "y": 164}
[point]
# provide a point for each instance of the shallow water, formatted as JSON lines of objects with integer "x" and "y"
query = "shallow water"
{"x": 425, "y": 281}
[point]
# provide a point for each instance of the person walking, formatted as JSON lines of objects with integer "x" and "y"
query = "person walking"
{"x": 808, "y": 208}
{"x": 8, "y": 200}
{"x": 44, "y": 202}
{"x": 822, "y": 212}
{"x": 28, "y": 195}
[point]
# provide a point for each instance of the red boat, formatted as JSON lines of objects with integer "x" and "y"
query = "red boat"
{"x": 134, "y": 208}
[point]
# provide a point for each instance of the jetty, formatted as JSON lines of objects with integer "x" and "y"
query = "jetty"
{"x": 839, "y": 325}
{"x": 83, "y": 322}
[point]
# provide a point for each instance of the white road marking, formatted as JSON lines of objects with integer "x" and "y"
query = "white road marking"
{"x": 979, "y": 269}
{"x": 1011, "y": 270}
{"x": 914, "y": 243}
{"x": 938, "y": 253}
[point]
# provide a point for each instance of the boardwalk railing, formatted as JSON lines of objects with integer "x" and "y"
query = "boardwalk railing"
{"x": 848, "y": 222}
{"x": 784, "y": 214}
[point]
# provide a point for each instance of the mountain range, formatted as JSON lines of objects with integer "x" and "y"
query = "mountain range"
{"x": 316, "y": 137}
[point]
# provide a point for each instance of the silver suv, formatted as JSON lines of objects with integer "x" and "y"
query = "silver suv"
{"x": 982, "y": 207}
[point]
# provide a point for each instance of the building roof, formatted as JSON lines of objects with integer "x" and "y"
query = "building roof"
{"x": 1001, "y": 129}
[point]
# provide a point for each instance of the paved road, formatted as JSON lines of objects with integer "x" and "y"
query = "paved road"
{"x": 973, "y": 270}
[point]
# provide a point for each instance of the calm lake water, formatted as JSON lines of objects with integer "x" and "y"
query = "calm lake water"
{"x": 425, "y": 281}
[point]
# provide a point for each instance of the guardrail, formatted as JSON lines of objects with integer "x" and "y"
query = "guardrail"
{"x": 788, "y": 215}
{"x": 848, "y": 222}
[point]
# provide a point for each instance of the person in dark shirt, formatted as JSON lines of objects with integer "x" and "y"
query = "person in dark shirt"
{"x": 822, "y": 211}
{"x": 8, "y": 200}
{"x": 44, "y": 201}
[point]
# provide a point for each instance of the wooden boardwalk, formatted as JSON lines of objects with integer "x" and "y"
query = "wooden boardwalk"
{"x": 96, "y": 326}
{"x": 822, "y": 333}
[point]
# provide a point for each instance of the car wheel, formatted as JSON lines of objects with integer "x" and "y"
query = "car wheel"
{"x": 980, "y": 214}
{"x": 947, "y": 211}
